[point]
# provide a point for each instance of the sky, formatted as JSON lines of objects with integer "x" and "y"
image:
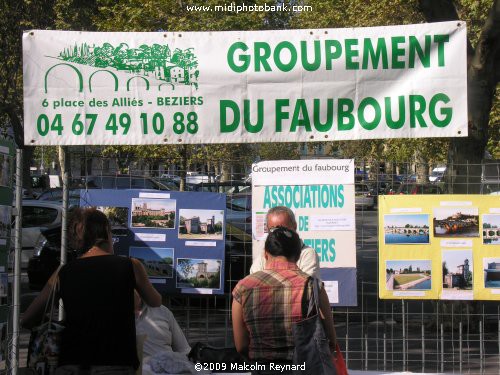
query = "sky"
{"x": 492, "y": 219}
{"x": 151, "y": 253}
{"x": 202, "y": 214}
{"x": 402, "y": 264}
{"x": 443, "y": 213}
{"x": 401, "y": 220}
{"x": 454, "y": 258}
{"x": 155, "y": 204}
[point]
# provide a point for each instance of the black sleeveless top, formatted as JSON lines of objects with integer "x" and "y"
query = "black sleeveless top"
{"x": 98, "y": 297}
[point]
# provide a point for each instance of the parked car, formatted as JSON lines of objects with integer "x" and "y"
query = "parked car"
{"x": 55, "y": 195}
{"x": 392, "y": 188}
{"x": 196, "y": 178}
{"x": 414, "y": 188}
{"x": 36, "y": 217}
{"x": 490, "y": 177}
{"x": 47, "y": 253}
{"x": 437, "y": 174}
{"x": 239, "y": 216}
{"x": 172, "y": 177}
{"x": 364, "y": 196}
{"x": 175, "y": 185}
{"x": 230, "y": 187}
{"x": 117, "y": 182}
{"x": 46, "y": 257}
{"x": 492, "y": 188}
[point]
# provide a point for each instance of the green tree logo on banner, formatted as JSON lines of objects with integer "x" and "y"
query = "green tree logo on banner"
{"x": 178, "y": 67}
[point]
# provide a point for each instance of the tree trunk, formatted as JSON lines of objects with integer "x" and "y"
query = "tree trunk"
{"x": 422, "y": 168}
{"x": 465, "y": 154}
{"x": 184, "y": 165}
{"x": 27, "y": 158}
{"x": 226, "y": 171}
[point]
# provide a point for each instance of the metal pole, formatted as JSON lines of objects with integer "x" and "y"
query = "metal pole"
{"x": 347, "y": 351}
{"x": 481, "y": 346}
{"x": 366, "y": 352}
{"x": 64, "y": 221}
{"x": 14, "y": 354}
{"x": 460, "y": 345}
{"x": 404, "y": 334}
{"x": 423, "y": 348}
{"x": 442, "y": 348}
{"x": 385, "y": 352}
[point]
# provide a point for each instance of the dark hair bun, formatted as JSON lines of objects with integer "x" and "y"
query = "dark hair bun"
{"x": 285, "y": 242}
{"x": 88, "y": 227}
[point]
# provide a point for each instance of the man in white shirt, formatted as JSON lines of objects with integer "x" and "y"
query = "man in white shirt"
{"x": 284, "y": 217}
{"x": 161, "y": 329}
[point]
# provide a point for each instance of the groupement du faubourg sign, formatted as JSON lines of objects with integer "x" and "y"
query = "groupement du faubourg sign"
{"x": 83, "y": 88}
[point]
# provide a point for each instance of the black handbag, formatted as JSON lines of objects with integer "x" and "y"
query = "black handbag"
{"x": 311, "y": 343}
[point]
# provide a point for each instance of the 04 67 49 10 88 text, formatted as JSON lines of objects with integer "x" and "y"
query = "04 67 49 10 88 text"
{"x": 117, "y": 123}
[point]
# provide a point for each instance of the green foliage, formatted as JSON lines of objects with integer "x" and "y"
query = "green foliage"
{"x": 184, "y": 266}
{"x": 75, "y": 14}
{"x": 277, "y": 151}
{"x": 474, "y": 12}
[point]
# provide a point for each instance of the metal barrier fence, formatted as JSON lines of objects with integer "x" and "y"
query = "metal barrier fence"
{"x": 384, "y": 335}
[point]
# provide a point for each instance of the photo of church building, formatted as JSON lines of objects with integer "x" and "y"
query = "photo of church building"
{"x": 201, "y": 224}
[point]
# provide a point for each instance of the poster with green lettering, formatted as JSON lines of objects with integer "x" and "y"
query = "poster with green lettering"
{"x": 84, "y": 88}
{"x": 320, "y": 193}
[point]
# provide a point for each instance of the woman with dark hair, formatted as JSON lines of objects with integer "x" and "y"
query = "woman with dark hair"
{"x": 268, "y": 302}
{"x": 97, "y": 291}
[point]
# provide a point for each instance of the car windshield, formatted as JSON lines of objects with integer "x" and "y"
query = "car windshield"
{"x": 238, "y": 204}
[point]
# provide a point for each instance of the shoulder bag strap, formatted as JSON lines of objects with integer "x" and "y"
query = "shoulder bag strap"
{"x": 313, "y": 307}
{"x": 52, "y": 297}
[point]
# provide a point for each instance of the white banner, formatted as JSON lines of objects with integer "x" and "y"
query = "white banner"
{"x": 83, "y": 88}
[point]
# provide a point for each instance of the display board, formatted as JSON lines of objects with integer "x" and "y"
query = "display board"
{"x": 111, "y": 88}
{"x": 321, "y": 194}
{"x": 439, "y": 247}
{"x": 178, "y": 236}
{"x": 7, "y": 163}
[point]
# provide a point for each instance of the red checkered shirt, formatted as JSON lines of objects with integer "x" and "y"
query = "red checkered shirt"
{"x": 272, "y": 300}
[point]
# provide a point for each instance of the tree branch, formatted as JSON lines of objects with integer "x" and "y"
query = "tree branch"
{"x": 440, "y": 11}
{"x": 486, "y": 60}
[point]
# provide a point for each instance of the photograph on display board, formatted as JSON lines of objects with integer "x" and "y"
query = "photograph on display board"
{"x": 4, "y": 284}
{"x": 198, "y": 273}
{"x": 491, "y": 229}
{"x": 153, "y": 213}
{"x": 118, "y": 217}
{"x": 457, "y": 270}
{"x": 159, "y": 262}
{"x": 491, "y": 267}
{"x": 201, "y": 224}
{"x": 5, "y": 170}
{"x": 408, "y": 274}
{"x": 406, "y": 229}
{"x": 5, "y": 221}
{"x": 456, "y": 222}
